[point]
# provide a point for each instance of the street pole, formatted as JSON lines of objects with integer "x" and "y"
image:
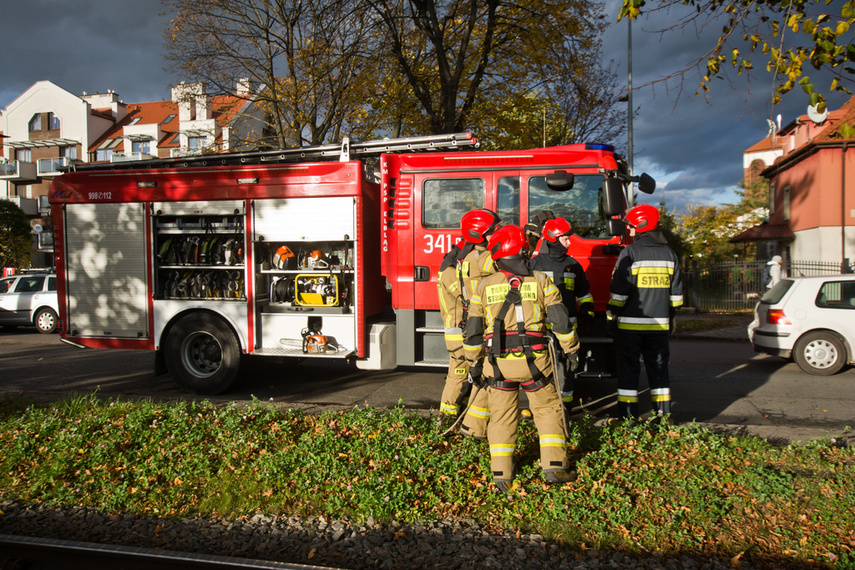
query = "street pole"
{"x": 631, "y": 200}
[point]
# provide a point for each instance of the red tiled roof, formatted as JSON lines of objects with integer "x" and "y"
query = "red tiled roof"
{"x": 225, "y": 108}
{"x": 843, "y": 115}
{"x": 765, "y": 232}
{"x": 769, "y": 143}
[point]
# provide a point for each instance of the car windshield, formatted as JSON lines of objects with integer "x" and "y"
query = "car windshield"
{"x": 776, "y": 293}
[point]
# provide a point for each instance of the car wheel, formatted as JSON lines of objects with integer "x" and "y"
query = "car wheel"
{"x": 820, "y": 353}
{"x": 45, "y": 321}
{"x": 202, "y": 354}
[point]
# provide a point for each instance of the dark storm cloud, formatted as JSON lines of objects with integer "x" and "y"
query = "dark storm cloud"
{"x": 693, "y": 144}
{"x": 92, "y": 46}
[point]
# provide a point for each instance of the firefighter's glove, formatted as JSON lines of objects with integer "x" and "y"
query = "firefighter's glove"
{"x": 585, "y": 321}
{"x": 476, "y": 376}
{"x": 571, "y": 363}
{"x": 611, "y": 323}
{"x": 672, "y": 321}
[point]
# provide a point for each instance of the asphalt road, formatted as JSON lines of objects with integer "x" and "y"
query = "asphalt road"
{"x": 723, "y": 383}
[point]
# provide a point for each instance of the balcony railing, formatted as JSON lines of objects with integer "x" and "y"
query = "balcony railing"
{"x": 17, "y": 171}
{"x": 28, "y": 205}
{"x": 127, "y": 157}
{"x": 52, "y": 165}
{"x": 179, "y": 152}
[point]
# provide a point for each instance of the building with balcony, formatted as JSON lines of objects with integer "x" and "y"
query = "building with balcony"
{"x": 47, "y": 129}
{"x": 192, "y": 122}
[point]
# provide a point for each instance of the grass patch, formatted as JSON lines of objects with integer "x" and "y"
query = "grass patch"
{"x": 702, "y": 325}
{"x": 675, "y": 490}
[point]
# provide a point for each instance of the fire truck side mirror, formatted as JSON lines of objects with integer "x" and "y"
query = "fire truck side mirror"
{"x": 646, "y": 183}
{"x": 613, "y": 198}
{"x": 560, "y": 180}
{"x": 615, "y": 227}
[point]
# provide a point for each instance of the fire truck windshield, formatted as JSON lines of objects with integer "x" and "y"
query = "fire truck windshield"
{"x": 580, "y": 205}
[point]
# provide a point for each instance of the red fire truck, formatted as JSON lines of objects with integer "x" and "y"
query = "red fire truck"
{"x": 318, "y": 252}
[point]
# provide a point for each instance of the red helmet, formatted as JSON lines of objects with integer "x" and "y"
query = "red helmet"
{"x": 555, "y": 228}
{"x": 507, "y": 241}
{"x": 643, "y": 218}
{"x": 476, "y": 224}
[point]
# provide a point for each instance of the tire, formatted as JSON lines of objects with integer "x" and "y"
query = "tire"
{"x": 202, "y": 354}
{"x": 821, "y": 353}
{"x": 46, "y": 320}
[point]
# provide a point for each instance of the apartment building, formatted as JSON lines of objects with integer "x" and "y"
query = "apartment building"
{"x": 47, "y": 128}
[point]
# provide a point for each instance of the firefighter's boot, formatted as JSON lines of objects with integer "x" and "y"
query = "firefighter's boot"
{"x": 627, "y": 404}
{"x": 559, "y": 477}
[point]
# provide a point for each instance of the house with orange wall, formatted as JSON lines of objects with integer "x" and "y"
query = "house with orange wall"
{"x": 812, "y": 190}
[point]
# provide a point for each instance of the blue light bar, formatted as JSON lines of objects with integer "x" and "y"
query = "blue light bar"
{"x": 599, "y": 146}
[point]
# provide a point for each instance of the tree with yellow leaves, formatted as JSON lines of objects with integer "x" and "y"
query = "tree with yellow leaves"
{"x": 788, "y": 35}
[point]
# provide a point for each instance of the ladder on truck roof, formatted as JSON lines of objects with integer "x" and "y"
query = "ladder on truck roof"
{"x": 342, "y": 152}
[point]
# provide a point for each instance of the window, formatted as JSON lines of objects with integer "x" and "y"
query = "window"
{"x": 581, "y": 205}
{"x": 135, "y": 121}
{"x": 36, "y": 123}
{"x": 196, "y": 143}
{"x": 30, "y": 284}
{"x": 141, "y": 146}
{"x": 69, "y": 152}
{"x": 508, "y": 206}
{"x": 53, "y": 121}
{"x": 167, "y": 119}
{"x": 786, "y": 202}
{"x": 771, "y": 198}
{"x": 24, "y": 155}
{"x": 445, "y": 201}
{"x": 103, "y": 155}
{"x": 836, "y": 295}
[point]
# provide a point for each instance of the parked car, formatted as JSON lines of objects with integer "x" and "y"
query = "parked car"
{"x": 29, "y": 299}
{"x": 808, "y": 319}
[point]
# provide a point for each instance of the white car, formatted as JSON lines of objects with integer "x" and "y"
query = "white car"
{"x": 808, "y": 319}
{"x": 29, "y": 299}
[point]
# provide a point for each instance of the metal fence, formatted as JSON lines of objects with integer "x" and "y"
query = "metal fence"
{"x": 735, "y": 287}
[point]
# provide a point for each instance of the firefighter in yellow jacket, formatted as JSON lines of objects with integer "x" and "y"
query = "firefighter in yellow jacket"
{"x": 506, "y": 334}
{"x": 461, "y": 271}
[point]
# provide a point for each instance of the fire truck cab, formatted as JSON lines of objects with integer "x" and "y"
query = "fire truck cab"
{"x": 322, "y": 252}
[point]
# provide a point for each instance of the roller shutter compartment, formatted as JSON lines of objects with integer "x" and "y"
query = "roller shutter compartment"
{"x": 106, "y": 256}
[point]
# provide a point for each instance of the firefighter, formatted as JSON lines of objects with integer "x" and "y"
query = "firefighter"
{"x": 461, "y": 271}
{"x": 506, "y": 336}
{"x": 569, "y": 277}
{"x": 646, "y": 291}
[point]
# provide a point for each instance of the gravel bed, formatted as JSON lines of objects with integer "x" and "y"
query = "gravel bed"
{"x": 316, "y": 541}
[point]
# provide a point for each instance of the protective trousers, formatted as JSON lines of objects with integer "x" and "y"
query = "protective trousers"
{"x": 457, "y": 386}
{"x": 504, "y": 420}
{"x": 655, "y": 350}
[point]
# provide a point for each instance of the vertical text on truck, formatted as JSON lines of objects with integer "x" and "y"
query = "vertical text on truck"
{"x": 318, "y": 252}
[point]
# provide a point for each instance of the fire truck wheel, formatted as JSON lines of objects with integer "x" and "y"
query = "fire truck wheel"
{"x": 202, "y": 354}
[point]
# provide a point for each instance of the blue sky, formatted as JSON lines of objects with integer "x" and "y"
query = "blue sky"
{"x": 692, "y": 145}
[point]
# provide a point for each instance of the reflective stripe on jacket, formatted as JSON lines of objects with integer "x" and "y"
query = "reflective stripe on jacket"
{"x": 646, "y": 285}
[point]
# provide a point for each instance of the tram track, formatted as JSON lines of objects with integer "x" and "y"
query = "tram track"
{"x": 24, "y": 552}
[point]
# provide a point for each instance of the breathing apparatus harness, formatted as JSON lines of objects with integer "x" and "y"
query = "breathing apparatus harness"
{"x": 501, "y": 342}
